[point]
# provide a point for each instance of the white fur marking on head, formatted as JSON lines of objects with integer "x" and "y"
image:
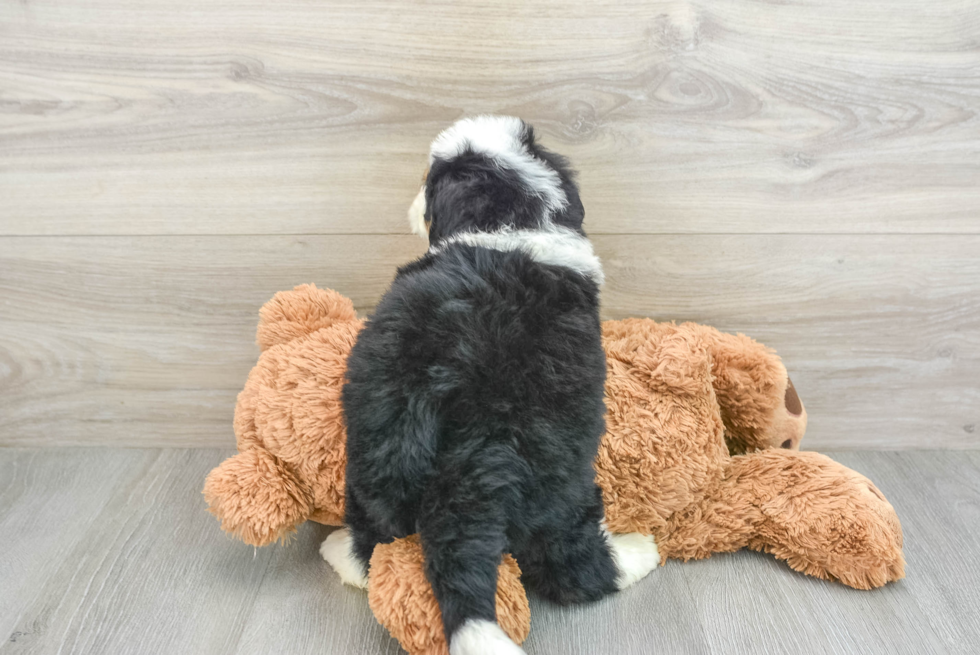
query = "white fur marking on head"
{"x": 500, "y": 139}
{"x": 416, "y": 215}
{"x": 482, "y": 637}
{"x": 635, "y": 555}
{"x": 338, "y": 550}
{"x": 555, "y": 245}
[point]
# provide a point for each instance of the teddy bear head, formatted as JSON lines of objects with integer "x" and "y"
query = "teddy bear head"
{"x": 288, "y": 423}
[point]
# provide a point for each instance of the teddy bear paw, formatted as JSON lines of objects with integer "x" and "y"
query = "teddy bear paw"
{"x": 482, "y": 637}
{"x": 338, "y": 550}
{"x": 635, "y": 555}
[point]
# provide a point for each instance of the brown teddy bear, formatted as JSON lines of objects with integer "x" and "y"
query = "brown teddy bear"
{"x": 701, "y": 451}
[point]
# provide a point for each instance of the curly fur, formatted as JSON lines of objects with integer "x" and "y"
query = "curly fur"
{"x": 474, "y": 393}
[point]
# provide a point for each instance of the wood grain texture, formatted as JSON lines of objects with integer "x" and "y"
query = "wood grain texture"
{"x": 881, "y": 334}
{"x": 48, "y": 503}
{"x": 113, "y": 552}
{"x": 805, "y": 172}
{"x": 144, "y": 574}
{"x": 937, "y": 496}
{"x": 143, "y": 117}
{"x": 147, "y": 340}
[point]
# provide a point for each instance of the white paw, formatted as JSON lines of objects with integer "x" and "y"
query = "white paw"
{"x": 482, "y": 637}
{"x": 338, "y": 550}
{"x": 635, "y": 555}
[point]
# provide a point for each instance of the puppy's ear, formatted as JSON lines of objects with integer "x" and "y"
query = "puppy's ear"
{"x": 527, "y": 136}
{"x": 572, "y": 213}
{"x": 416, "y": 212}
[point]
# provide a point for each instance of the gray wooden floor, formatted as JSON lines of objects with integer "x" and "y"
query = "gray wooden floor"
{"x": 111, "y": 551}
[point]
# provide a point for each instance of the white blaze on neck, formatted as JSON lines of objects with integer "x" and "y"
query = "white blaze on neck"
{"x": 554, "y": 245}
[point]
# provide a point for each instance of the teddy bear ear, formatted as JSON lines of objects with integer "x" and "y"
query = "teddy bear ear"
{"x": 301, "y": 311}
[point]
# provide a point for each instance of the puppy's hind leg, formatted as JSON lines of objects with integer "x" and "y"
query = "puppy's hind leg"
{"x": 463, "y": 526}
{"x": 348, "y": 550}
{"x": 582, "y": 562}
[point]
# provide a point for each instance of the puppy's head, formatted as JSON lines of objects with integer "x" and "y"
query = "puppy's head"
{"x": 486, "y": 174}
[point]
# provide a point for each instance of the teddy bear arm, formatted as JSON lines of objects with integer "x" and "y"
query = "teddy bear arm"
{"x": 724, "y": 520}
{"x": 821, "y": 517}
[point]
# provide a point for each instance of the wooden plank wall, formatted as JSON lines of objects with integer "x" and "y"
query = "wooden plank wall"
{"x": 805, "y": 172}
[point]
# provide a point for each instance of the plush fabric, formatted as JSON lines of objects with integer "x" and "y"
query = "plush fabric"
{"x": 402, "y": 599}
{"x": 701, "y": 451}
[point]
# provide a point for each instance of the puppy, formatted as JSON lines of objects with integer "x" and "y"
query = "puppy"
{"x": 474, "y": 394}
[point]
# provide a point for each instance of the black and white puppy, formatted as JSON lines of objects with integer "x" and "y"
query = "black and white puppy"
{"x": 474, "y": 396}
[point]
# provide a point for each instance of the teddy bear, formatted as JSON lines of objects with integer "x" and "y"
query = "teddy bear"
{"x": 701, "y": 451}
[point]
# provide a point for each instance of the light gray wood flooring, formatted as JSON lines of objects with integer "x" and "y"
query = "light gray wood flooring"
{"x": 111, "y": 551}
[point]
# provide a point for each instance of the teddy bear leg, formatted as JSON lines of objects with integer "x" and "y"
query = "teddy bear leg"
{"x": 257, "y": 498}
{"x": 759, "y": 405}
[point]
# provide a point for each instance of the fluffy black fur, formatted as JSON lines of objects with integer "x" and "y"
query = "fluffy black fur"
{"x": 470, "y": 193}
{"x": 474, "y": 404}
